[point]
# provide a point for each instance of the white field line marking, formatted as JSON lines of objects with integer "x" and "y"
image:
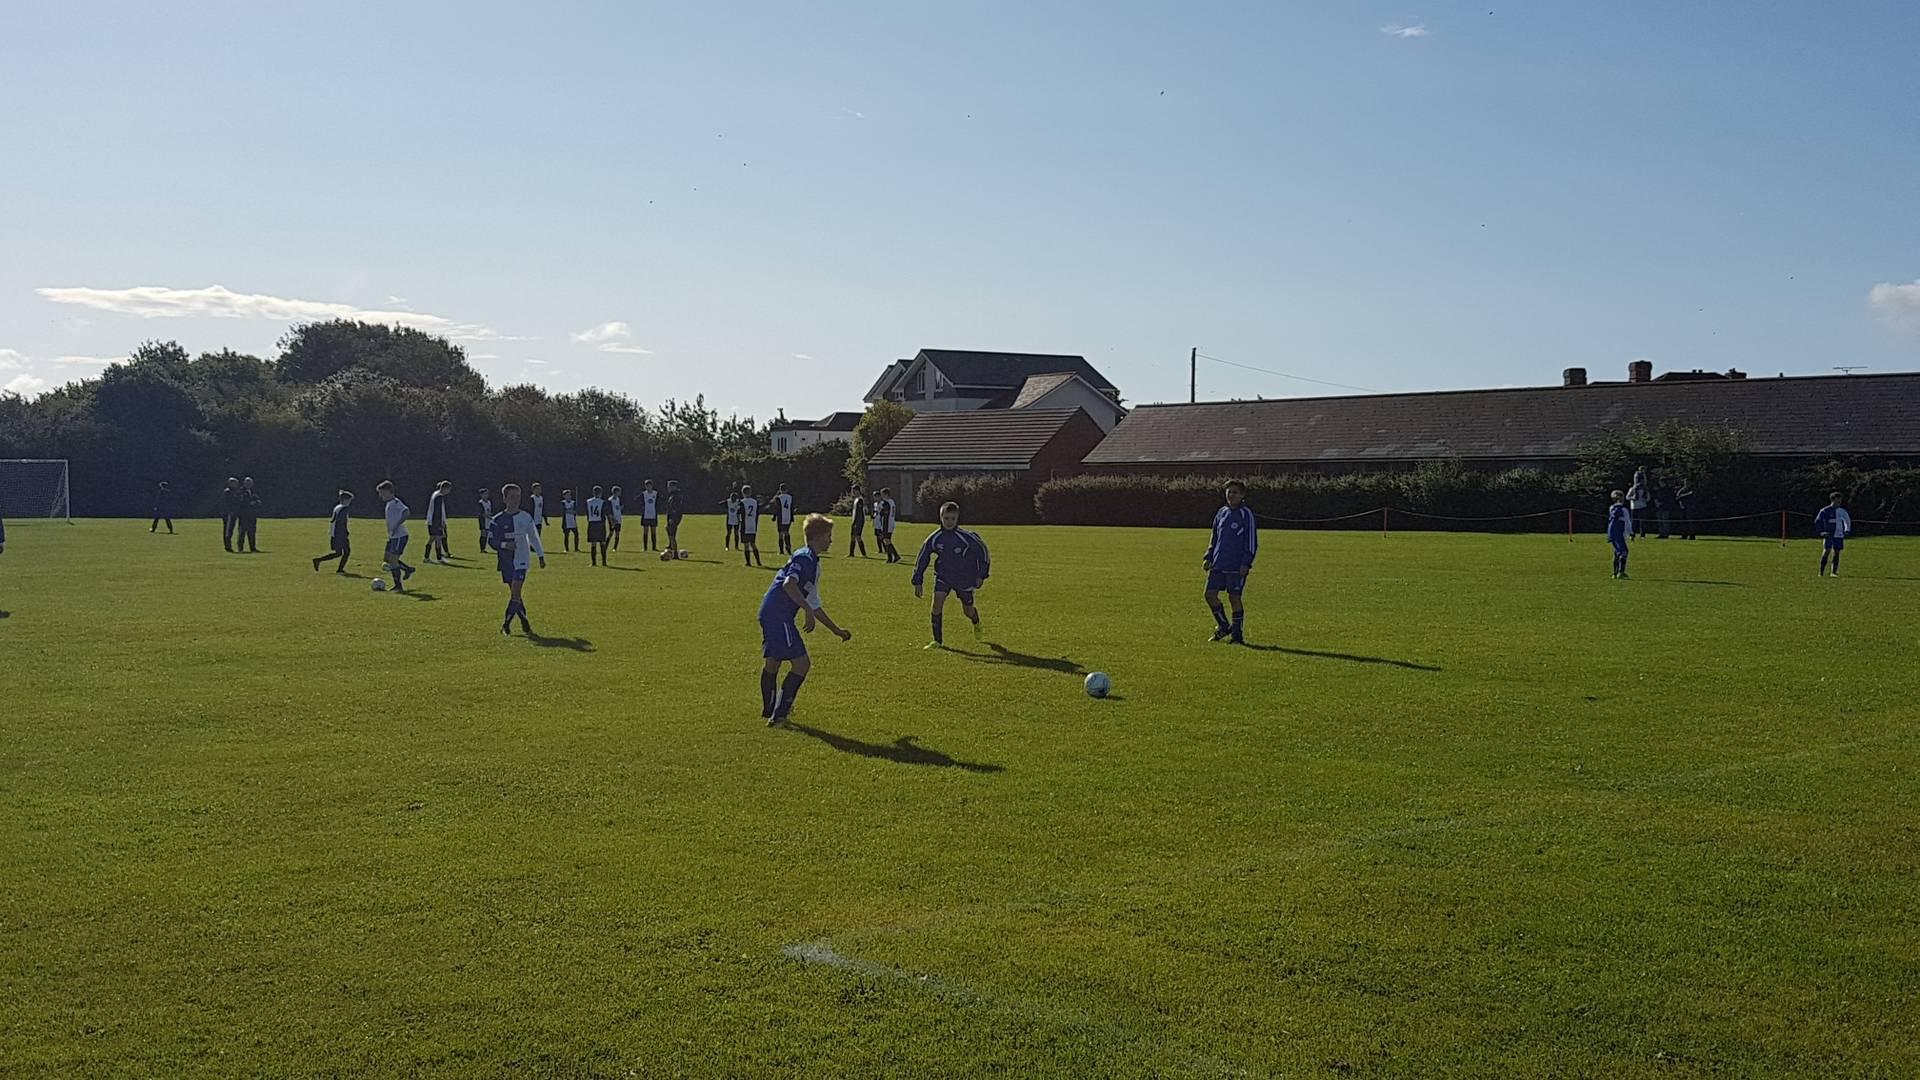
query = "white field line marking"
{"x": 822, "y": 951}
{"x": 960, "y": 994}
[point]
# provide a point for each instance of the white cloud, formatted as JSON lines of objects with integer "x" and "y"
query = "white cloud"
{"x": 12, "y": 360}
{"x": 606, "y": 331}
{"x": 801, "y": 356}
{"x": 87, "y": 361}
{"x": 397, "y": 301}
{"x": 542, "y": 363}
{"x": 24, "y": 385}
{"x": 1404, "y": 30}
{"x": 483, "y": 356}
{"x": 220, "y": 302}
{"x": 1899, "y": 303}
{"x": 626, "y": 350}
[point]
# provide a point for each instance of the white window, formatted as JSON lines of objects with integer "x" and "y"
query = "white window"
{"x": 782, "y": 447}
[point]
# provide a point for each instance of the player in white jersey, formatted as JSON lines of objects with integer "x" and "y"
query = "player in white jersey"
{"x": 396, "y": 535}
{"x": 733, "y": 518}
{"x": 539, "y": 507}
{"x": 650, "y": 501}
{"x": 569, "y": 522}
{"x": 616, "y": 516}
{"x": 749, "y": 526}
{"x": 517, "y": 539}
{"x": 597, "y": 527}
{"x": 783, "y": 518}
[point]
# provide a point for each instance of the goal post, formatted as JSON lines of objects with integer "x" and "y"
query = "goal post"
{"x": 34, "y": 488}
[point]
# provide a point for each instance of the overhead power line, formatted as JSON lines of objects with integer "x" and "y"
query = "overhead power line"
{"x": 1287, "y": 375}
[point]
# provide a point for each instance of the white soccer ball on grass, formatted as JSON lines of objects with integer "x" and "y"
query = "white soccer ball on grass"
{"x": 1098, "y": 685}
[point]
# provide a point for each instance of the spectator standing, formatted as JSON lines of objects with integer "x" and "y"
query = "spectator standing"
{"x": 1683, "y": 504}
{"x": 1663, "y": 508}
{"x": 1638, "y": 497}
{"x": 229, "y": 511}
{"x": 249, "y": 517}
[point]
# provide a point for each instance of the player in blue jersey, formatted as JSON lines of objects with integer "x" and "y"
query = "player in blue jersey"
{"x": 1229, "y": 559}
{"x": 485, "y": 514}
{"x": 795, "y": 591}
{"x": 1619, "y": 527}
{"x": 674, "y": 513}
{"x": 337, "y": 535}
{"x": 962, "y": 567}
{"x": 1833, "y": 523}
{"x": 516, "y": 537}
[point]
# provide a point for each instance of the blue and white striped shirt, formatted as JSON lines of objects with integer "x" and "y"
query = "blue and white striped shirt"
{"x": 1236, "y": 540}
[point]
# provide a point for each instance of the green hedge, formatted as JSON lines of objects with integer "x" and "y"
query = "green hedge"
{"x": 1446, "y": 496}
{"x": 984, "y": 500}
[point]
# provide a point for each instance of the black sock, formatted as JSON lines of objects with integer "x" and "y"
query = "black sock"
{"x": 1220, "y": 616}
{"x": 789, "y": 690}
{"x": 1239, "y": 622}
{"x": 769, "y": 682}
{"x": 936, "y": 629}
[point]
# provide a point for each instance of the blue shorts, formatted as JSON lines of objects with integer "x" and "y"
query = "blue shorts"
{"x": 396, "y": 547}
{"x": 1836, "y": 543}
{"x": 1222, "y": 581}
{"x": 1619, "y": 546}
{"x": 780, "y": 640}
{"x": 513, "y": 576}
{"x": 965, "y": 595}
{"x": 435, "y": 532}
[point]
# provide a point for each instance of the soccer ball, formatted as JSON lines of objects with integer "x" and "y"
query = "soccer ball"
{"x": 379, "y": 586}
{"x": 666, "y": 556}
{"x": 1098, "y": 685}
{"x": 684, "y": 554}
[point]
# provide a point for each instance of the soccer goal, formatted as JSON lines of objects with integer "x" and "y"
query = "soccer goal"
{"x": 34, "y": 488}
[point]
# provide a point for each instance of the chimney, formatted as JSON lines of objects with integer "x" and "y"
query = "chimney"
{"x": 1574, "y": 376}
{"x": 1736, "y": 373}
{"x": 1640, "y": 371}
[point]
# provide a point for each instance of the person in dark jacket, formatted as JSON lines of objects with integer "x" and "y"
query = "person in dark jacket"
{"x": 162, "y": 509}
{"x": 249, "y": 517}
{"x": 229, "y": 511}
{"x": 1683, "y": 505}
{"x": 1663, "y": 508}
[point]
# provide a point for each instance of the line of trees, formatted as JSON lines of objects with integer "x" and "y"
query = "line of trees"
{"x": 346, "y": 404}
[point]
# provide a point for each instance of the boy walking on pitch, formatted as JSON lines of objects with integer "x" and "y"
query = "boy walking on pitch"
{"x": 1229, "y": 559}
{"x": 486, "y": 516}
{"x": 857, "y": 538}
{"x": 163, "y": 508}
{"x": 883, "y": 511}
{"x": 674, "y": 511}
{"x": 749, "y": 526}
{"x": 337, "y": 535}
{"x": 962, "y": 568}
{"x": 616, "y": 516}
{"x": 783, "y": 518}
{"x": 733, "y": 518}
{"x": 1619, "y": 527}
{"x": 1833, "y": 523}
{"x": 795, "y": 589}
{"x": 396, "y": 535}
{"x": 649, "y": 518}
{"x": 596, "y": 527}
{"x": 517, "y": 538}
{"x": 569, "y": 522}
{"x": 437, "y": 522}
{"x": 539, "y": 507}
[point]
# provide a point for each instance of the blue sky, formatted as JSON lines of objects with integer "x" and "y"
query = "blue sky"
{"x": 768, "y": 202}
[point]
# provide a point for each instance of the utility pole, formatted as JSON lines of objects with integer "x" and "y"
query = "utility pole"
{"x": 1193, "y": 375}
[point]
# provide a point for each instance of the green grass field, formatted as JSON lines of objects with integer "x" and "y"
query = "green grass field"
{"x": 1469, "y": 808}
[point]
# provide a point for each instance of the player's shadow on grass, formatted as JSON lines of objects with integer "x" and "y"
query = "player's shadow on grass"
{"x": 1703, "y": 581}
{"x": 1351, "y": 658}
{"x": 1003, "y": 655}
{"x": 577, "y": 644}
{"x": 6, "y": 614}
{"x": 627, "y": 569}
{"x": 414, "y": 594}
{"x": 902, "y": 751}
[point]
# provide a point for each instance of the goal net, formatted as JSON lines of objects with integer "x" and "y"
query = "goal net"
{"x": 33, "y": 488}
